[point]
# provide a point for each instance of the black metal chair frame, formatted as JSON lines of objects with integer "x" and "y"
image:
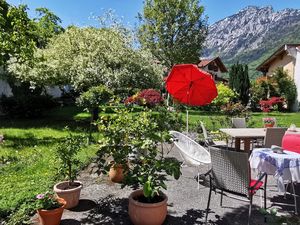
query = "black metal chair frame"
{"x": 214, "y": 184}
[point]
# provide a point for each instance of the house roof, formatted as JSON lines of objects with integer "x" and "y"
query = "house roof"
{"x": 217, "y": 60}
{"x": 263, "y": 67}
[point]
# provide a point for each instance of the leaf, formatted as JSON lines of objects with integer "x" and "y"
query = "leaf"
{"x": 147, "y": 189}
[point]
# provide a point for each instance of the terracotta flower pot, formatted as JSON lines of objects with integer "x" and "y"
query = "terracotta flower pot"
{"x": 116, "y": 173}
{"x": 146, "y": 213}
{"x": 269, "y": 125}
{"x": 51, "y": 217}
{"x": 70, "y": 194}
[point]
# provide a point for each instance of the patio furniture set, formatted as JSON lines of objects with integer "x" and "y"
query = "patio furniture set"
{"x": 230, "y": 167}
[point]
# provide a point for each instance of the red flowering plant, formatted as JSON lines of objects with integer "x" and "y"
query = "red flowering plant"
{"x": 267, "y": 105}
{"x": 148, "y": 97}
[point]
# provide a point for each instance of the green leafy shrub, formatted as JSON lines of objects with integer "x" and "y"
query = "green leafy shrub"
{"x": 137, "y": 138}
{"x": 28, "y": 106}
{"x": 93, "y": 98}
{"x": 225, "y": 95}
{"x": 67, "y": 151}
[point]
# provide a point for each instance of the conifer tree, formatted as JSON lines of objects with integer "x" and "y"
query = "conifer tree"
{"x": 239, "y": 81}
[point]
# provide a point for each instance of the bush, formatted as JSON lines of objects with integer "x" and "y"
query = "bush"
{"x": 93, "y": 98}
{"x": 28, "y": 106}
{"x": 225, "y": 95}
{"x": 147, "y": 97}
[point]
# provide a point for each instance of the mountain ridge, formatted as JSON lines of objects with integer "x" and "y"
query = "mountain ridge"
{"x": 248, "y": 35}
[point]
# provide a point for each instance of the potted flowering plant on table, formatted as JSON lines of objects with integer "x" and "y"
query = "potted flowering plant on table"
{"x": 49, "y": 208}
{"x": 66, "y": 152}
{"x": 269, "y": 122}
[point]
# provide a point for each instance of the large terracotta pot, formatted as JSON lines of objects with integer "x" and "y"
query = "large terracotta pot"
{"x": 146, "y": 213}
{"x": 51, "y": 217}
{"x": 116, "y": 173}
{"x": 71, "y": 195}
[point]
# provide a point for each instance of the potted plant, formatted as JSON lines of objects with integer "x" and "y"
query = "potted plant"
{"x": 148, "y": 166}
{"x": 49, "y": 208}
{"x": 269, "y": 122}
{"x": 115, "y": 144}
{"x": 66, "y": 152}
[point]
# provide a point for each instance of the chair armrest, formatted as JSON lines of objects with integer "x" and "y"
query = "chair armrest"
{"x": 259, "y": 180}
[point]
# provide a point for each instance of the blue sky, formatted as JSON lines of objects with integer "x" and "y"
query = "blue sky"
{"x": 79, "y": 12}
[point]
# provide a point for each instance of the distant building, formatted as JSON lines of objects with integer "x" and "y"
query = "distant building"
{"x": 215, "y": 67}
{"x": 286, "y": 57}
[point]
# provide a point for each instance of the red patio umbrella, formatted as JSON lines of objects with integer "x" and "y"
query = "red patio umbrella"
{"x": 191, "y": 86}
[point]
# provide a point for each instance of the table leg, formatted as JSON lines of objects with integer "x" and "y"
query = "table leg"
{"x": 247, "y": 144}
{"x": 237, "y": 143}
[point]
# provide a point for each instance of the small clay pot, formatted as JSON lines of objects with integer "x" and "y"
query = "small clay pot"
{"x": 53, "y": 216}
{"x": 146, "y": 213}
{"x": 116, "y": 173}
{"x": 70, "y": 194}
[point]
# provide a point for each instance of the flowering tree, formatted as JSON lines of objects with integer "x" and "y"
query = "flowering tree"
{"x": 86, "y": 57}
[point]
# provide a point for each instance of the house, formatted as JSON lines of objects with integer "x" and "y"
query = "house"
{"x": 215, "y": 67}
{"x": 286, "y": 57}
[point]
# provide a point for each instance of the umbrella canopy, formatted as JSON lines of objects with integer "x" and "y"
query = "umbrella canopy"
{"x": 191, "y": 85}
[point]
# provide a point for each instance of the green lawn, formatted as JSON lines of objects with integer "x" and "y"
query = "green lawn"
{"x": 28, "y": 164}
{"x": 214, "y": 120}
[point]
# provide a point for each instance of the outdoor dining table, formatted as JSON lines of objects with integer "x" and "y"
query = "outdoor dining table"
{"x": 284, "y": 166}
{"x": 245, "y": 134}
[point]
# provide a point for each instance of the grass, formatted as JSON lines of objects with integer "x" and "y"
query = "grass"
{"x": 28, "y": 163}
{"x": 215, "y": 121}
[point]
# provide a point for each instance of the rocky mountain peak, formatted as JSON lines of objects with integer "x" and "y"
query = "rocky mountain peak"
{"x": 247, "y": 30}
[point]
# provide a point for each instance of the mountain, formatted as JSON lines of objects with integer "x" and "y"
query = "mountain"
{"x": 252, "y": 34}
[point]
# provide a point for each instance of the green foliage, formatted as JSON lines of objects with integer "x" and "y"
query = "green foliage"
{"x": 274, "y": 219}
{"x": 86, "y": 57}
{"x": 174, "y": 31}
{"x": 135, "y": 138}
{"x": 239, "y": 81}
{"x": 67, "y": 151}
{"x": 20, "y": 35}
{"x": 47, "y": 201}
{"x": 235, "y": 110}
{"x": 26, "y": 106}
{"x": 16, "y": 37}
{"x": 94, "y": 97}
{"x": 285, "y": 86}
{"x": 47, "y": 26}
{"x": 225, "y": 95}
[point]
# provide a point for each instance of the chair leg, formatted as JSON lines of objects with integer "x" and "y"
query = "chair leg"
{"x": 250, "y": 209}
{"x": 198, "y": 175}
{"x": 221, "y": 200}
{"x": 208, "y": 203}
{"x": 295, "y": 198}
{"x": 265, "y": 196}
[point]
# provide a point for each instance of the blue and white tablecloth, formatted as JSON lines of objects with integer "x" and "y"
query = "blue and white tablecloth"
{"x": 285, "y": 166}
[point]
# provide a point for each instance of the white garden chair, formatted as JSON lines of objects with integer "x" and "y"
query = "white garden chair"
{"x": 191, "y": 152}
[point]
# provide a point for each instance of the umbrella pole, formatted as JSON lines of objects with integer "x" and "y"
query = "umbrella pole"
{"x": 187, "y": 121}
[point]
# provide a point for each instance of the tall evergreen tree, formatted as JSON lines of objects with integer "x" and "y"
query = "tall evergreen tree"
{"x": 239, "y": 81}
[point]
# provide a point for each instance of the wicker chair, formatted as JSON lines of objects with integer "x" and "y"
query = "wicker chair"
{"x": 230, "y": 174}
{"x": 274, "y": 136}
{"x": 191, "y": 152}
